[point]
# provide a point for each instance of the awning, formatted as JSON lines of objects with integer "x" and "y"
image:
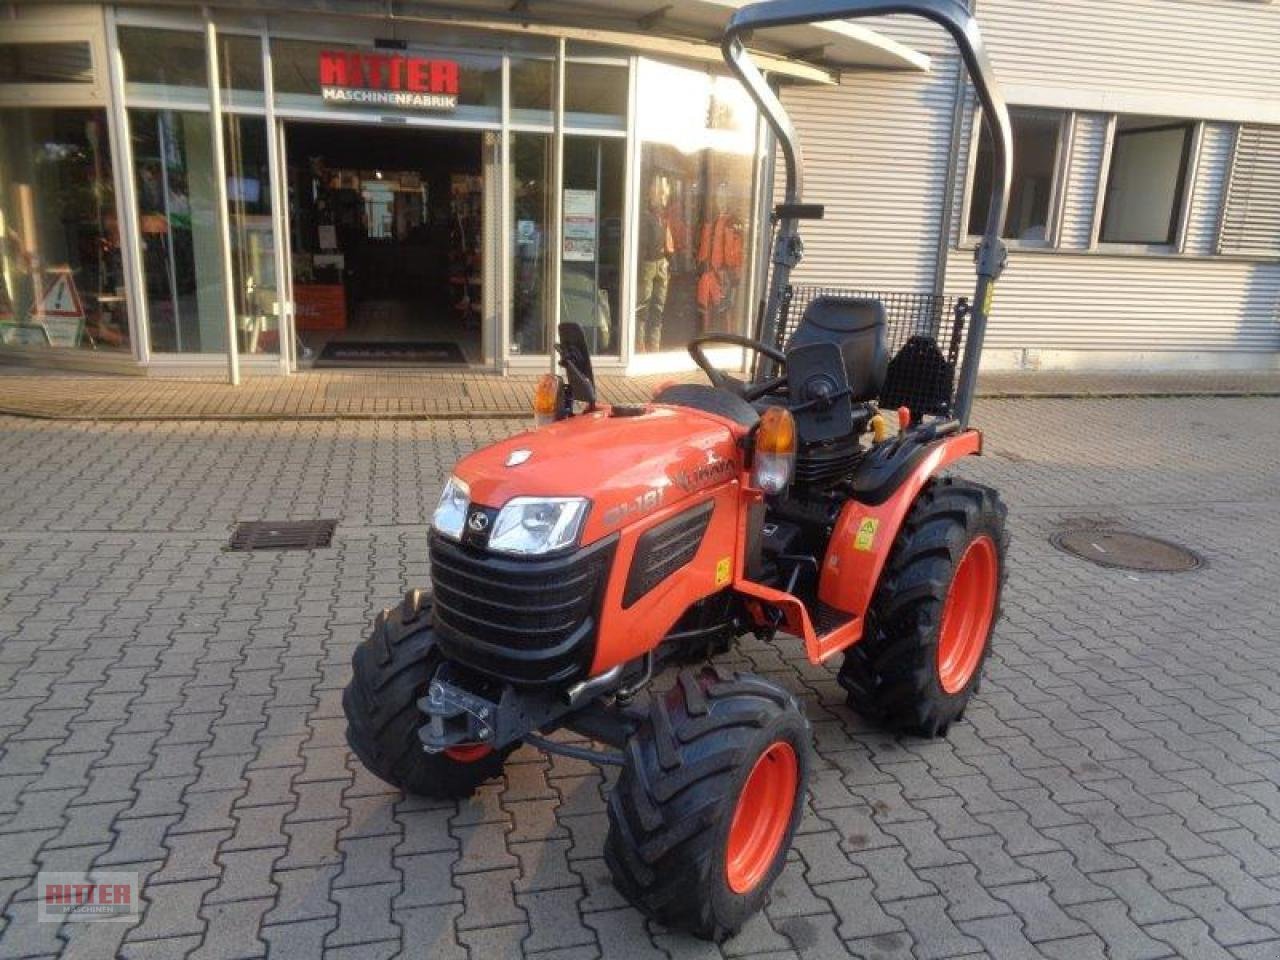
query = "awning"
{"x": 690, "y": 29}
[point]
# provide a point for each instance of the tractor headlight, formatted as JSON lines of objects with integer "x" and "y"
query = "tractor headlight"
{"x": 451, "y": 512}
{"x": 533, "y": 525}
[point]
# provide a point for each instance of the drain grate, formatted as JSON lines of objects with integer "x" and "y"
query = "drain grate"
{"x": 282, "y": 535}
{"x": 1122, "y": 550}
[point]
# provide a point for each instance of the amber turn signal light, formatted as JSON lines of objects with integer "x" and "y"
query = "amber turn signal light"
{"x": 775, "y": 451}
{"x": 546, "y": 399}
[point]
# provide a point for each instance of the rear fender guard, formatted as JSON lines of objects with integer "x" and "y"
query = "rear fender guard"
{"x": 864, "y": 533}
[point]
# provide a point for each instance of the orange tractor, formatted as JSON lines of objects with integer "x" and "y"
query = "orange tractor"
{"x": 572, "y": 564}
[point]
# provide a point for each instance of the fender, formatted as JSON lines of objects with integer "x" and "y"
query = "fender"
{"x": 865, "y": 533}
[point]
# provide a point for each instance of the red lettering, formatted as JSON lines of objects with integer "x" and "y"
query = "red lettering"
{"x": 333, "y": 69}
{"x": 106, "y": 893}
{"x": 395, "y": 68}
{"x": 56, "y": 893}
{"x": 123, "y": 893}
{"x": 379, "y": 72}
{"x": 416, "y": 69}
{"x": 374, "y": 66}
{"x": 444, "y": 76}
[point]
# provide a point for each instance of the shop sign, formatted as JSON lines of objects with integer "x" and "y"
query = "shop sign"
{"x": 388, "y": 80}
{"x": 580, "y": 225}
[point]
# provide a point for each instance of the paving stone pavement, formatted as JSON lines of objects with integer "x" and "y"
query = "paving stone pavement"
{"x": 173, "y": 709}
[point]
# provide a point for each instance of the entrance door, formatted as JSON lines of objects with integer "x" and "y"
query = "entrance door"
{"x": 386, "y": 245}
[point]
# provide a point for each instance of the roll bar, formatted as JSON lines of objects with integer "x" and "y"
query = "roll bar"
{"x": 955, "y": 18}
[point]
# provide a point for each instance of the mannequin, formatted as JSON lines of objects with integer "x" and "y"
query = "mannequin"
{"x": 720, "y": 255}
{"x": 656, "y": 247}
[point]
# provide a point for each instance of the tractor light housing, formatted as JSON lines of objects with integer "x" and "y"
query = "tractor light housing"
{"x": 530, "y": 526}
{"x": 775, "y": 451}
{"x": 451, "y": 511}
{"x": 546, "y": 400}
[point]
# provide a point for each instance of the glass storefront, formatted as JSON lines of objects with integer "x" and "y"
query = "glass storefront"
{"x": 697, "y": 156}
{"x": 447, "y": 249}
{"x": 63, "y": 277}
{"x": 530, "y": 216}
{"x": 253, "y": 253}
{"x": 178, "y": 230}
{"x": 591, "y": 262}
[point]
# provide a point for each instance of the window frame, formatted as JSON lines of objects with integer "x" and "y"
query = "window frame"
{"x": 1180, "y": 209}
{"x": 1057, "y": 186}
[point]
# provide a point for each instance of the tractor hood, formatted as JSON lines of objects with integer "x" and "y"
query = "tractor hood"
{"x": 627, "y": 466}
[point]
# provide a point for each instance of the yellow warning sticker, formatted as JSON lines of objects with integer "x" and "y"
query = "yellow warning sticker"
{"x": 724, "y": 571}
{"x": 986, "y": 301}
{"x": 866, "y": 536}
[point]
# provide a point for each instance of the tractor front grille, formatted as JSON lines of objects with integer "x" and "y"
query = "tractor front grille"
{"x": 530, "y": 621}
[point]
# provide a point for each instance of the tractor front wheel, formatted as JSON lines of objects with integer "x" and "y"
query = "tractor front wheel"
{"x": 929, "y": 628}
{"x": 710, "y": 795}
{"x": 390, "y": 672}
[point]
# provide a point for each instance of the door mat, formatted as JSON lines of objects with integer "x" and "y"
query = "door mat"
{"x": 372, "y": 353}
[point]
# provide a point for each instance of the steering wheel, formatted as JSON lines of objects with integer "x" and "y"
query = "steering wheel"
{"x": 721, "y": 380}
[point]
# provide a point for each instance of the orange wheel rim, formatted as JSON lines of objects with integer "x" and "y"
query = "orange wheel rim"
{"x": 468, "y": 754}
{"x": 967, "y": 614}
{"x": 761, "y": 818}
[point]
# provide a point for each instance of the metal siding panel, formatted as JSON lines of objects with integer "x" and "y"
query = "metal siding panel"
{"x": 1251, "y": 221}
{"x": 1191, "y": 47}
{"x": 863, "y": 144}
{"x": 876, "y": 154}
{"x": 1211, "y": 178}
{"x": 1093, "y": 302}
{"x": 1082, "y": 185}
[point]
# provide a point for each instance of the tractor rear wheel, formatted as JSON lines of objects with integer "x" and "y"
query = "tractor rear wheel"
{"x": 928, "y": 630}
{"x": 710, "y": 795}
{"x": 390, "y": 672}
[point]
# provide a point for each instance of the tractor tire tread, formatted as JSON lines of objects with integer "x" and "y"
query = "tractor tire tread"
{"x": 390, "y": 671}
{"x": 663, "y": 819}
{"x": 890, "y": 676}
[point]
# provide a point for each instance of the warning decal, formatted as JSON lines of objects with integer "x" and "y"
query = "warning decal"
{"x": 865, "y": 539}
{"x": 724, "y": 571}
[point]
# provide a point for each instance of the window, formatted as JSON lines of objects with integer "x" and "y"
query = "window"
{"x": 1036, "y": 140}
{"x": 698, "y": 143}
{"x": 45, "y": 63}
{"x": 181, "y": 249}
{"x": 163, "y": 58}
{"x": 1251, "y": 219}
{"x": 1146, "y": 181}
{"x": 60, "y": 266}
{"x": 591, "y": 238}
{"x": 240, "y": 70}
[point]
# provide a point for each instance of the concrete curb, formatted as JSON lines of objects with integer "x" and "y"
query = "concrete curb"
{"x": 462, "y": 415}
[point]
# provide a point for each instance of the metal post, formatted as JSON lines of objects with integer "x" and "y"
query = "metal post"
{"x": 506, "y": 246}
{"x": 625, "y": 322}
{"x": 555, "y": 228}
{"x": 279, "y": 215}
{"x": 126, "y": 196}
{"x": 220, "y": 196}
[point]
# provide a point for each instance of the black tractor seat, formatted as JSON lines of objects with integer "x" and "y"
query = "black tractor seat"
{"x": 701, "y": 396}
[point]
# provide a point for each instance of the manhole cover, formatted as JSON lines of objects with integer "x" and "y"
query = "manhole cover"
{"x": 282, "y": 534}
{"x": 1126, "y": 551}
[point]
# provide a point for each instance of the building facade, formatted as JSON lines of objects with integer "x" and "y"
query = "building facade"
{"x": 372, "y": 183}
